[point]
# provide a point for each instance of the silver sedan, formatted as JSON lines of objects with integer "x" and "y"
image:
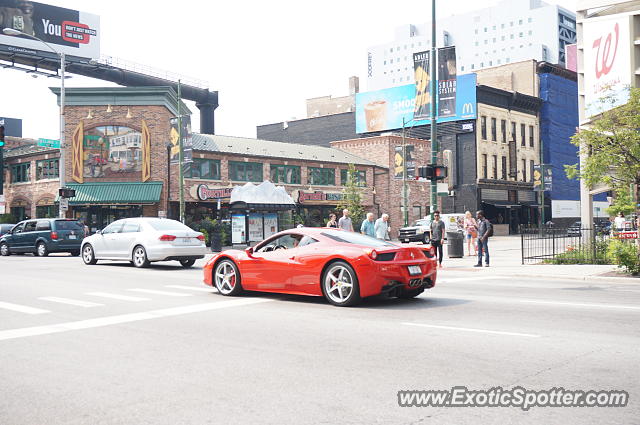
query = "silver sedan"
{"x": 143, "y": 240}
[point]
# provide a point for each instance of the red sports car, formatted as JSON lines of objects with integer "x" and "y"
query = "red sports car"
{"x": 342, "y": 266}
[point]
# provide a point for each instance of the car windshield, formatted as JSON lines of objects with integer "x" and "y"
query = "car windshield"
{"x": 422, "y": 222}
{"x": 68, "y": 225}
{"x": 165, "y": 224}
{"x": 356, "y": 239}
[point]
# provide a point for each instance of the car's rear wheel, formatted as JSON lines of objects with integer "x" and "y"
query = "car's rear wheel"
{"x": 4, "y": 250}
{"x": 74, "y": 253}
{"x": 140, "y": 259}
{"x": 340, "y": 284}
{"x": 412, "y": 293}
{"x": 226, "y": 277}
{"x": 88, "y": 256}
{"x": 41, "y": 249}
{"x": 187, "y": 263}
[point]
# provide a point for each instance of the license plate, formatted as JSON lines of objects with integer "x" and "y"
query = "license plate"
{"x": 72, "y": 237}
{"x": 414, "y": 270}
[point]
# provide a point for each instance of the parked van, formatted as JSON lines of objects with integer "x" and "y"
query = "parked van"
{"x": 421, "y": 230}
{"x": 43, "y": 236}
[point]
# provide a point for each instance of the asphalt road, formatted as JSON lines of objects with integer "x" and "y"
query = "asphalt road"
{"x": 111, "y": 344}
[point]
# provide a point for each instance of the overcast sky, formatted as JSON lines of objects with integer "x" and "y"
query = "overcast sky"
{"x": 263, "y": 57}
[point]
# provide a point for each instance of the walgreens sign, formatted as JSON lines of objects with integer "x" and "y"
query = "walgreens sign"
{"x": 607, "y": 63}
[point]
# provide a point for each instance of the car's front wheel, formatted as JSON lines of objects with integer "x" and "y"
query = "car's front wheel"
{"x": 226, "y": 277}
{"x": 340, "y": 284}
{"x": 88, "y": 256}
{"x": 187, "y": 263}
{"x": 4, "y": 250}
{"x": 41, "y": 249}
{"x": 140, "y": 257}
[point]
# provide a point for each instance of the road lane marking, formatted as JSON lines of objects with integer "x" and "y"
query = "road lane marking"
{"x": 154, "y": 292}
{"x": 568, "y": 304}
{"x": 125, "y": 318}
{"x": 70, "y": 301}
{"x": 193, "y": 288}
{"x": 117, "y": 296}
{"x": 487, "y": 331}
{"x": 22, "y": 308}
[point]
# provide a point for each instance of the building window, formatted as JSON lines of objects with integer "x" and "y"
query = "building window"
{"x": 21, "y": 173}
{"x": 483, "y": 127}
{"x": 485, "y": 29}
{"x": 462, "y": 68}
{"x": 47, "y": 169}
{"x": 531, "y": 138}
{"x": 531, "y": 166}
{"x": 494, "y": 165}
{"x": 289, "y": 174}
{"x": 520, "y": 22}
{"x": 521, "y": 34}
{"x": 486, "y": 42}
{"x": 529, "y": 20}
{"x": 523, "y": 135}
{"x": 417, "y": 212}
{"x": 19, "y": 213}
{"x": 473, "y": 66}
{"x": 322, "y": 176}
{"x": 494, "y": 27}
{"x": 524, "y": 170}
{"x": 504, "y": 168}
{"x": 204, "y": 169}
{"x": 493, "y": 130}
{"x": 503, "y": 130}
{"x": 360, "y": 177}
{"x": 511, "y": 36}
{"x": 513, "y": 131}
{"x": 530, "y": 33}
{"x": 391, "y": 50}
{"x": 476, "y": 43}
{"x": 46, "y": 211}
{"x": 502, "y": 38}
{"x": 476, "y": 31}
{"x": 245, "y": 171}
{"x": 484, "y": 166}
{"x": 502, "y": 26}
{"x": 481, "y": 64}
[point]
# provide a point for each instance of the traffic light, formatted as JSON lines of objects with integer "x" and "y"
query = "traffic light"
{"x": 433, "y": 172}
{"x": 65, "y": 192}
{"x": 439, "y": 172}
{"x": 426, "y": 172}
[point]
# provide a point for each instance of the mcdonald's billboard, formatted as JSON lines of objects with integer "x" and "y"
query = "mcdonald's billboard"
{"x": 384, "y": 110}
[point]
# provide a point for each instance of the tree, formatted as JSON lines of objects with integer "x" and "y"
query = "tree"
{"x": 612, "y": 143}
{"x": 352, "y": 197}
{"x": 622, "y": 203}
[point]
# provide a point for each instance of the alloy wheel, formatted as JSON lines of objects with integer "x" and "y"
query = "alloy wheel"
{"x": 42, "y": 250}
{"x": 140, "y": 257}
{"x": 4, "y": 249}
{"x": 225, "y": 277}
{"x": 87, "y": 255}
{"x": 339, "y": 284}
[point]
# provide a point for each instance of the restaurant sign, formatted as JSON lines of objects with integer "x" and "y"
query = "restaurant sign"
{"x": 319, "y": 197}
{"x": 204, "y": 192}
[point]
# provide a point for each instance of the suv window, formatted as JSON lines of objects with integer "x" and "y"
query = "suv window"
{"x": 43, "y": 225}
{"x": 113, "y": 227}
{"x": 68, "y": 225}
{"x": 18, "y": 229}
{"x": 30, "y": 226}
{"x": 130, "y": 227}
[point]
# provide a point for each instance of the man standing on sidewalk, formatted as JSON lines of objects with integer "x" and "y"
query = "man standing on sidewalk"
{"x": 382, "y": 227}
{"x": 437, "y": 235}
{"x": 345, "y": 222}
{"x": 485, "y": 230}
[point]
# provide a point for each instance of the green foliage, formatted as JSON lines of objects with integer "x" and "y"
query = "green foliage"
{"x": 7, "y": 219}
{"x": 588, "y": 253}
{"x": 625, "y": 255}
{"x": 622, "y": 202}
{"x": 352, "y": 197}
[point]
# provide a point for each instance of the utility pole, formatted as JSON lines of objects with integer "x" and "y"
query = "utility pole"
{"x": 434, "y": 132}
{"x": 180, "y": 155}
{"x": 405, "y": 212}
{"x": 62, "y": 213}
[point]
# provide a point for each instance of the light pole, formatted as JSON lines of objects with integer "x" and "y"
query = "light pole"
{"x": 434, "y": 132}
{"x": 61, "y": 165}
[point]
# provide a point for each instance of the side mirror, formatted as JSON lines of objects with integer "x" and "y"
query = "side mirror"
{"x": 98, "y": 232}
{"x": 249, "y": 252}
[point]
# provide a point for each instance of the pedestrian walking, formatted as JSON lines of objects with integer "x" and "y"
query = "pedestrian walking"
{"x": 437, "y": 235}
{"x": 619, "y": 221}
{"x": 471, "y": 231}
{"x": 368, "y": 226}
{"x": 382, "y": 227}
{"x": 485, "y": 231}
{"x": 332, "y": 221}
{"x": 345, "y": 221}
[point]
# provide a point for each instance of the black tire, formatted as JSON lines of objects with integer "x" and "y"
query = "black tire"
{"x": 4, "y": 250}
{"x": 412, "y": 293}
{"x": 139, "y": 256}
{"x": 231, "y": 284}
{"x": 88, "y": 255}
{"x": 425, "y": 238}
{"x": 74, "y": 253}
{"x": 41, "y": 249}
{"x": 353, "y": 297}
{"x": 187, "y": 263}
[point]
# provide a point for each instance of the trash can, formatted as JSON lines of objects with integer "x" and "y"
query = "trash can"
{"x": 216, "y": 241}
{"x": 455, "y": 241}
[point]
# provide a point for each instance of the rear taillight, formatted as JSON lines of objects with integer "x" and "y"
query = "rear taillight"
{"x": 429, "y": 253}
{"x": 372, "y": 253}
{"x": 167, "y": 238}
{"x": 201, "y": 238}
{"x": 54, "y": 235}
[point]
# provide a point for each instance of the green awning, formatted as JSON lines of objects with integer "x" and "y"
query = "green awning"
{"x": 115, "y": 193}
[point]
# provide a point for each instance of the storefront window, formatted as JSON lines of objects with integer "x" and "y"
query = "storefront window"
{"x": 289, "y": 174}
{"x": 21, "y": 173}
{"x": 112, "y": 151}
{"x": 204, "y": 169}
{"x": 46, "y": 211}
{"x": 322, "y": 176}
{"x": 360, "y": 176}
{"x": 245, "y": 171}
{"x": 47, "y": 169}
{"x": 19, "y": 213}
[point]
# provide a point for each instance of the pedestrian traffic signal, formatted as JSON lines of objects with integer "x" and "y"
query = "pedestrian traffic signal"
{"x": 433, "y": 172}
{"x": 425, "y": 172}
{"x": 65, "y": 192}
{"x": 1, "y": 136}
{"x": 439, "y": 172}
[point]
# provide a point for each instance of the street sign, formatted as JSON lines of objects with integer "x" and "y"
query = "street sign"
{"x": 64, "y": 204}
{"x": 49, "y": 143}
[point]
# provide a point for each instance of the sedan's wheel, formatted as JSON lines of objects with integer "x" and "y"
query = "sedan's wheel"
{"x": 187, "y": 263}
{"x": 88, "y": 256}
{"x": 340, "y": 284}
{"x": 227, "y": 278}
{"x": 41, "y": 250}
{"x": 140, "y": 257}
{"x": 4, "y": 250}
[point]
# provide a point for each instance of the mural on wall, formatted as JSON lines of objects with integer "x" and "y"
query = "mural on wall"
{"x": 112, "y": 151}
{"x": 77, "y": 153}
{"x": 146, "y": 152}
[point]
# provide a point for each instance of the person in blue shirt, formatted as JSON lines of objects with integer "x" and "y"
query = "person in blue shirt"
{"x": 368, "y": 226}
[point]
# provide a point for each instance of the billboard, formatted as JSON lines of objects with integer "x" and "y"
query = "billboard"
{"x": 384, "y": 109}
{"x": 607, "y": 63}
{"x": 447, "y": 81}
{"x": 401, "y": 161}
{"x": 421, "y": 69}
{"x": 12, "y": 126}
{"x": 66, "y": 30}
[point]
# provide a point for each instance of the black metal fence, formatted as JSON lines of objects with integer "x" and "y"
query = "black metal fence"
{"x": 564, "y": 245}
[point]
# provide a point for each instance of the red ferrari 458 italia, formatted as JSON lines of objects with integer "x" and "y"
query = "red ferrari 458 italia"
{"x": 342, "y": 266}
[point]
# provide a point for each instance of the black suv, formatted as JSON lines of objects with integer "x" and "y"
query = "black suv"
{"x": 43, "y": 236}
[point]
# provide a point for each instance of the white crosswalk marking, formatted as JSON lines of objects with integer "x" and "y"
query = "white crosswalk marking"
{"x": 192, "y": 288}
{"x": 70, "y": 301}
{"x": 22, "y": 308}
{"x": 117, "y": 296}
{"x": 153, "y": 291}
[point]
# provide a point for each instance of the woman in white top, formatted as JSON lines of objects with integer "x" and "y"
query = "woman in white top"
{"x": 619, "y": 221}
